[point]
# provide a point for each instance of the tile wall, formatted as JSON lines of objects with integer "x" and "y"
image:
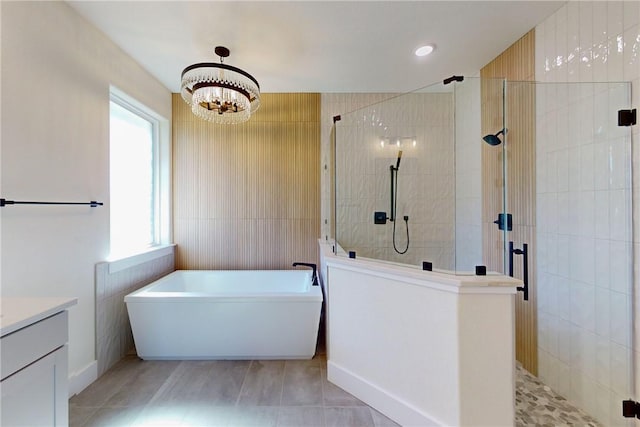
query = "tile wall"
{"x": 113, "y": 281}
{"x": 253, "y": 204}
{"x": 586, "y": 289}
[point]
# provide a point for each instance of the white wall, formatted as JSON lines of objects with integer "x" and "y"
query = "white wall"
{"x": 584, "y": 353}
{"x": 56, "y": 73}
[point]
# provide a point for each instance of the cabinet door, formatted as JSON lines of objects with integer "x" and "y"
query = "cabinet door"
{"x": 37, "y": 395}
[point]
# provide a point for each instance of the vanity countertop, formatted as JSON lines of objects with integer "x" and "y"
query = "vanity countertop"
{"x": 18, "y": 312}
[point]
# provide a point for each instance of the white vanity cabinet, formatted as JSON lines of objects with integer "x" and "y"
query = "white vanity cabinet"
{"x": 33, "y": 362}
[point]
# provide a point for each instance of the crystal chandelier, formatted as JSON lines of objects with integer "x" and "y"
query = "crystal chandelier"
{"x": 220, "y": 93}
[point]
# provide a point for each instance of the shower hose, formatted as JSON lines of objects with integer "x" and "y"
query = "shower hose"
{"x": 406, "y": 223}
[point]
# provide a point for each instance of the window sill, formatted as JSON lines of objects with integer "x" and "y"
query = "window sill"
{"x": 122, "y": 263}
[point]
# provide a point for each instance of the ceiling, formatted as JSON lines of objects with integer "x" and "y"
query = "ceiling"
{"x": 318, "y": 46}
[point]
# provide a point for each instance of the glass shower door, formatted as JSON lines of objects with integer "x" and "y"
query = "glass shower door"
{"x": 496, "y": 218}
{"x": 518, "y": 221}
{"x": 579, "y": 231}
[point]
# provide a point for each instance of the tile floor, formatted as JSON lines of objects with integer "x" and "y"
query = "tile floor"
{"x": 280, "y": 393}
{"x": 275, "y": 393}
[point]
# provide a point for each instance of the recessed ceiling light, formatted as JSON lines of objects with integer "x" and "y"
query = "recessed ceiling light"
{"x": 425, "y": 50}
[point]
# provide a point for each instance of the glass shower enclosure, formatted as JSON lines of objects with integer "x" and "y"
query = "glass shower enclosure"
{"x": 524, "y": 178}
{"x": 408, "y": 178}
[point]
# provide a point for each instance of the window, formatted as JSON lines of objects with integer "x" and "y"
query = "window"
{"x": 135, "y": 177}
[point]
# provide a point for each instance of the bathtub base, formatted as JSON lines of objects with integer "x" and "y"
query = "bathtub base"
{"x": 234, "y": 331}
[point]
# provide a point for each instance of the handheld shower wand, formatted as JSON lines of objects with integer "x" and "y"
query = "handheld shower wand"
{"x": 394, "y": 186}
{"x": 381, "y": 217}
{"x": 394, "y": 203}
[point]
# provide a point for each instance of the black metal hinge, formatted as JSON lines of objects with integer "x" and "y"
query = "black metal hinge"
{"x": 630, "y": 409}
{"x": 627, "y": 117}
{"x": 453, "y": 79}
{"x": 504, "y": 221}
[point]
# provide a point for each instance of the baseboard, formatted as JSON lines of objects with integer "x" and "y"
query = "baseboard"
{"x": 80, "y": 380}
{"x": 393, "y": 407}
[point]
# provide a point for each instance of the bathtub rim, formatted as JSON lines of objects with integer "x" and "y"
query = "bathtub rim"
{"x": 313, "y": 294}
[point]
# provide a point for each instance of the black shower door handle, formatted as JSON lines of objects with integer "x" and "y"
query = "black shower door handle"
{"x": 525, "y": 267}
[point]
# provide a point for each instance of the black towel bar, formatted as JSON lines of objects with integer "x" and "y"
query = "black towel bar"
{"x": 4, "y": 202}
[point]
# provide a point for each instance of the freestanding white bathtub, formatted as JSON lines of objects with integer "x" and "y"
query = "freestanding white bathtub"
{"x": 214, "y": 314}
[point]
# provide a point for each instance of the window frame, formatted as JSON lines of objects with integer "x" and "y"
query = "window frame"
{"x": 161, "y": 175}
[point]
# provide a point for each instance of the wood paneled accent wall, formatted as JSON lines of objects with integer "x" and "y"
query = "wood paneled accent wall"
{"x": 517, "y": 65}
{"x": 247, "y": 196}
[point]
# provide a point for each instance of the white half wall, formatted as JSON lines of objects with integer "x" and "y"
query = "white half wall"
{"x": 423, "y": 348}
{"x": 56, "y": 73}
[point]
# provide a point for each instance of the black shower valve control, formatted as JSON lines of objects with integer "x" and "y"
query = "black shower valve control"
{"x": 380, "y": 217}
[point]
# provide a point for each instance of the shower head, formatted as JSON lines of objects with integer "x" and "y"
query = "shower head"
{"x": 493, "y": 139}
{"x": 398, "y": 161}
